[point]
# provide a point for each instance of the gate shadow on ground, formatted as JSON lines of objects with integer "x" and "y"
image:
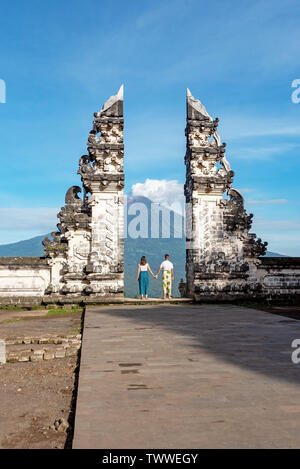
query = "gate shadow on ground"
{"x": 247, "y": 338}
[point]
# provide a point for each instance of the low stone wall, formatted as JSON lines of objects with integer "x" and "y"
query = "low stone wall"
{"x": 25, "y": 282}
{"x": 48, "y": 347}
{"x": 280, "y": 278}
{"x": 275, "y": 279}
{"x": 23, "y": 279}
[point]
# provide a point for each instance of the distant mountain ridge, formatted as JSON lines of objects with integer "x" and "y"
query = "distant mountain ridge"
{"x": 32, "y": 247}
{"x": 26, "y": 248}
{"x": 153, "y": 248}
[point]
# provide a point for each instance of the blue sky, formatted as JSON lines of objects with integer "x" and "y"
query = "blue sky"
{"x": 61, "y": 60}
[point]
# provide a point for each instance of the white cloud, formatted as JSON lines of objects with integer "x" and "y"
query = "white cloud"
{"x": 246, "y": 190}
{"x": 283, "y": 243}
{"x": 262, "y": 153}
{"x": 235, "y": 125}
{"x": 160, "y": 191}
{"x": 154, "y": 16}
{"x": 265, "y": 153}
{"x": 277, "y": 226}
{"x": 267, "y": 202}
{"x": 282, "y": 234}
{"x": 41, "y": 220}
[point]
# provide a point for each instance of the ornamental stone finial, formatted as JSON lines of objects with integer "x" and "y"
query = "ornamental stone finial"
{"x": 113, "y": 107}
{"x": 195, "y": 109}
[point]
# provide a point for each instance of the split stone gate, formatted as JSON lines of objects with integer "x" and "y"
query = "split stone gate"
{"x": 84, "y": 260}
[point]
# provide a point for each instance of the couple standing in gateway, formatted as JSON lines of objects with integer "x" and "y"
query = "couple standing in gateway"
{"x": 143, "y": 276}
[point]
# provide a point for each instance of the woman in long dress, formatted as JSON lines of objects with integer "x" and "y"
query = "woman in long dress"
{"x": 143, "y": 277}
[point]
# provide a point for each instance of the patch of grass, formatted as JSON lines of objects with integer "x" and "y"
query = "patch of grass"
{"x": 53, "y": 312}
{"x": 22, "y": 308}
{"x": 35, "y": 308}
{"x": 7, "y": 321}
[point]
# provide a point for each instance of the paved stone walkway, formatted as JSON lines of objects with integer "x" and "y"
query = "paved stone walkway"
{"x": 187, "y": 376}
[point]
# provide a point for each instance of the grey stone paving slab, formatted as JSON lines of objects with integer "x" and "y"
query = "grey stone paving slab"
{"x": 187, "y": 376}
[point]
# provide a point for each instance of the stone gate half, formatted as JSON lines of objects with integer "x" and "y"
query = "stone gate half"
{"x": 87, "y": 253}
{"x": 223, "y": 259}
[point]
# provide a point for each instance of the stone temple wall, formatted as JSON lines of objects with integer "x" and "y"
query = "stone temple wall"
{"x": 280, "y": 278}
{"x": 23, "y": 280}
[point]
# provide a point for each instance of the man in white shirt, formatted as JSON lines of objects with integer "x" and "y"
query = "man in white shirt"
{"x": 168, "y": 276}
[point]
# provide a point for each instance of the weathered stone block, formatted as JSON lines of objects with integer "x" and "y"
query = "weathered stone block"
{"x": 71, "y": 352}
{"x": 49, "y": 355}
{"x": 27, "y": 340}
{"x": 12, "y": 358}
{"x": 36, "y": 357}
{"x": 38, "y": 352}
{"x": 13, "y": 342}
{"x": 45, "y": 340}
{"x": 61, "y": 353}
{"x": 24, "y": 357}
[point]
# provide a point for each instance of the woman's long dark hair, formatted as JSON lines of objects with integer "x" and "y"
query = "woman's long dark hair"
{"x": 143, "y": 260}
